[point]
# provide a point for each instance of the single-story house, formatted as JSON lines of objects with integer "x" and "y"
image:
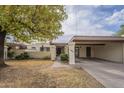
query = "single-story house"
{"x": 109, "y": 48}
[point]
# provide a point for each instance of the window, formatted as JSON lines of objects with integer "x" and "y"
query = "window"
{"x": 34, "y": 48}
{"x": 47, "y": 49}
{"x": 41, "y": 48}
{"x": 21, "y": 47}
{"x": 44, "y": 48}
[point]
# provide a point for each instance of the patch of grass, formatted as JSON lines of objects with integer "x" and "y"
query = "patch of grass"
{"x": 39, "y": 74}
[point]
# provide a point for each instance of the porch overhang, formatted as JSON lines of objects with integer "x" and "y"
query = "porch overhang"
{"x": 96, "y": 39}
{"x": 59, "y": 44}
{"x": 103, "y": 47}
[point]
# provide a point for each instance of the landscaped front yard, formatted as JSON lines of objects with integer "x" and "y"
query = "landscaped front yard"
{"x": 38, "y": 73}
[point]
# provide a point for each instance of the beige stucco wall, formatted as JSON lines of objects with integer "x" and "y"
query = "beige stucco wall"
{"x": 37, "y": 46}
{"x": 66, "y": 49}
{"x": 5, "y": 52}
{"x": 111, "y": 51}
{"x": 123, "y": 53}
{"x": 82, "y": 50}
{"x": 71, "y": 53}
{"x": 34, "y": 54}
{"x": 39, "y": 54}
{"x": 53, "y": 52}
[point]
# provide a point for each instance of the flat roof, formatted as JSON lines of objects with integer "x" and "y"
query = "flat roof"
{"x": 97, "y": 38}
{"x": 56, "y": 43}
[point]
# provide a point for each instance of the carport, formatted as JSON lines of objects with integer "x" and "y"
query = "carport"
{"x": 110, "y": 48}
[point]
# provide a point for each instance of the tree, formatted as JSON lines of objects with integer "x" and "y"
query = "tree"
{"x": 30, "y": 22}
{"x": 121, "y": 31}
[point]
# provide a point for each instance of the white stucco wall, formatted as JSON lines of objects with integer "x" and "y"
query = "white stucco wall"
{"x": 111, "y": 51}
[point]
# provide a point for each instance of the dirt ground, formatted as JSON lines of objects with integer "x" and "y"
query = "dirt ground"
{"x": 41, "y": 74}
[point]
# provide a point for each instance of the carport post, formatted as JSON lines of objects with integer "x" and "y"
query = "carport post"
{"x": 53, "y": 52}
{"x": 5, "y": 52}
{"x": 71, "y": 53}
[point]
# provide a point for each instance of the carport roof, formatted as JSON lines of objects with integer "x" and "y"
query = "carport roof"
{"x": 97, "y": 38}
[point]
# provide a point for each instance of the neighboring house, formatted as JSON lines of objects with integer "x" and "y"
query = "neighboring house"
{"x": 109, "y": 48}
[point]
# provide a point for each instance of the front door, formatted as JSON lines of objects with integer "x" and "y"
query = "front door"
{"x": 59, "y": 50}
{"x": 88, "y": 52}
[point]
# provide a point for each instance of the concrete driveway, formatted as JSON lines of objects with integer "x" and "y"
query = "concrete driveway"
{"x": 111, "y": 75}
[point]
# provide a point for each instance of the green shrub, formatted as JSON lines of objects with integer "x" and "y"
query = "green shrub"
{"x": 26, "y": 55}
{"x": 11, "y": 54}
{"x": 46, "y": 58}
{"x": 18, "y": 57}
{"x": 64, "y": 57}
{"x": 22, "y": 56}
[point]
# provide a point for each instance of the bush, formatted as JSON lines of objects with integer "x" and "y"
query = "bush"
{"x": 46, "y": 58}
{"x": 11, "y": 54}
{"x": 64, "y": 57}
{"x": 22, "y": 56}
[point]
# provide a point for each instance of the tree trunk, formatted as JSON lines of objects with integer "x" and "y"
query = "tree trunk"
{"x": 2, "y": 39}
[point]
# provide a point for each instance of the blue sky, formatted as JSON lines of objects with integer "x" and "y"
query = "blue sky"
{"x": 92, "y": 20}
{"x": 104, "y": 20}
